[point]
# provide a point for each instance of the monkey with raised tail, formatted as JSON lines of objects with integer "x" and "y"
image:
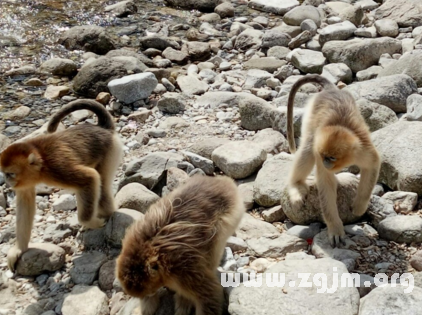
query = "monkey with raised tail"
{"x": 83, "y": 158}
{"x": 334, "y": 135}
{"x": 179, "y": 244}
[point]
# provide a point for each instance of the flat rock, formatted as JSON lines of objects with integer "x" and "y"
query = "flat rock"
{"x": 17, "y": 114}
{"x": 410, "y": 64}
{"x": 248, "y": 300}
{"x": 401, "y": 229}
{"x": 273, "y": 6}
{"x": 174, "y": 123}
{"x": 239, "y": 159}
{"x": 311, "y": 209}
{"x": 250, "y": 227}
{"x": 40, "y": 258}
{"x": 133, "y": 87}
{"x": 338, "y": 31}
{"x": 191, "y": 85}
{"x": 116, "y": 226}
{"x": 269, "y": 64}
{"x": 398, "y": 144}
{"x": 276, "y": 247}
{"x": 308, "y": 61}
{"x": 404, "y": 12}
{"x": 355, "y": 52}
{"x": 135, "y": 196}
{"x": 86, "y": 300}
{"x": 391, "y": 91}
{"x": 271, "y": 180}
{"x": 278, "y": 52}
{"x": 86, "y": 267}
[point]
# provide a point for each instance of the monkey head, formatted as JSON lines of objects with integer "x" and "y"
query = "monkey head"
{"x": 21, "y": 165}
{"x": 337, "y": 146}
{"x": 138, "y": 269}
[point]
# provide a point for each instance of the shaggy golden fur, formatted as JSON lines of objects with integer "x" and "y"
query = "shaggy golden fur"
{"x": 334, "y": 136}
{"x": 83, "y": 158}
{"x": 179, "y": 244}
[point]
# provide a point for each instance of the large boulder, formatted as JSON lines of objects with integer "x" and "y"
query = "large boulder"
{"x": 360, "y": 54}
{"x": 400, "y": 146}
{"x": 410, "y": 64}
{"x": 404, "y": 12}
{"x": 391, "y": 91}
{"x": 87, "y": 37}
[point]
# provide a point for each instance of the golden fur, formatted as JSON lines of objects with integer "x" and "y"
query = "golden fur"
{"x": 83, "y": 158}
{"x": 179, "y": 244}
{"x": 334, "y": 136}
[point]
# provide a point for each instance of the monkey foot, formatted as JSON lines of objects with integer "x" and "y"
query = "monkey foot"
{"x": 12, "y": 257}
{"x": 95, "y": 223}
{"x": 337, "y": 236}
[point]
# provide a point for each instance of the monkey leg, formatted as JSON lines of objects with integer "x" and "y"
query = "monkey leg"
{"x": 183, "y": 306}
{"x": 209, "y": 295}
{"x": 327, "y": 191}
{"x": 25, "y": 212}
{"x": 87, "y": 196}
{"x": 302, "y": 166}
{"x": 149, "y": 304}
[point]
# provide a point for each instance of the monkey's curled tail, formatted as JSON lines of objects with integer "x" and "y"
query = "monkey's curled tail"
{"x": 310, "y": 78}
{"x": 104, "y": 118}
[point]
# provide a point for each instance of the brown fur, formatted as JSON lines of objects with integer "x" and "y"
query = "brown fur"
{"x": 83, "y": 158}
{"x": 334, "y": 136}
{"x": 179, "y": 244}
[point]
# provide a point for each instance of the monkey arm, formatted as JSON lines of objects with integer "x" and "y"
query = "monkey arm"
{"x": 25, "y": 212}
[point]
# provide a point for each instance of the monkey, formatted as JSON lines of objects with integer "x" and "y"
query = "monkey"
{"x": 83, "y": 158}
{"x": 334, "y": 135}
{"x": 179, "y": 243}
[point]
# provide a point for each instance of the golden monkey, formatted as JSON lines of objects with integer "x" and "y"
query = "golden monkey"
{"x": 179, "y": 244}
{"x": 83, "y": 158}
{"x": 334, "y": 136}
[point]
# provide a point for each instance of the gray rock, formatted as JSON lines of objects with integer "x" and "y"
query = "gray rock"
{"x": 201, "y": 5}
{"x": 133, "y": 87}
{"x": 271, "y": 141}
{"x": 200, "y": 162}
{"x": 387, "y": 27}
{"x": 404, "y": 12}
{"x": 59, "y": 66}
{"x": 40, "y": 258}
{"x": 250, "y": 227}
{"x": 308, "y": 61}
{"x": 311, "y": 209}
{"x": 94, "y": 77}
{"x": 107, "y": 275}
{"x": 117, "y": 225}
{"x": 174, "y": 123}
{"x": 255, "y": 113}
{"x": 321, "y": 248}
{"x": 191, "y": 85}
{"x": 414, "y": 107}
{"x": 87, "y": 37}
{"x": 249, "y": 38}
{"x": 122, "y": 8}
{"x": 150, "y": 169}
{"x": 256, "y": 78}
{"x": 368, "y": 74}
{"x": 376, "y": 116}
{"x": 398, "y": 144}
{"x": 269, "y": 64}
{"x": 246, "y": 300}
{"x": 175, "y": 178}
{"x": 305, "y": 232}
{"x": 174, "y": 55}
{"x": 171, "y": 102}
{"x": 273, "y": 6}
{"x": 246, "y": 191}
{"x": 309, "y": 25}
{"x": 198, "y": 50}
{"x": 271, "y": 180}
{"x": 403, "y": 201}
{"x": 274, "y": 214}
{"x": 410, "y": 64}
{"x": 336, "y": 72}
{"x": 339, "y": 31}
{"x": 135, "y": 196}
{"x": 206, "y": 146}
{"x": 87, "y": 300}
{"x": 56, "y": 233}
{"x": 93, "y": 239}
{"x": 158, "y": 42}
{"x": 297, "y": 15}
{"x": 130, "y": 53}
{"x": 379, "y": 209}
{"x": 401, "y": 229}
{"x": 355, "y": 52}
{"x": 225, "y": 9}
{"x": 391, "y": 91}
{"x": 347, "y": 12}
{"x": 300, "y": 39}
{"x": 86, "y": 267}
{"x": 278, "y": 52}
{"x": 239, "y": 159}
{"x": 276, "y": 247}
{"x": 368, "y": 32}
{"x": 275, "y": 37}
{"x": 65, "y": 202}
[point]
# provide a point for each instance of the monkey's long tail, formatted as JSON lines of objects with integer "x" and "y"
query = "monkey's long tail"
{"x": 310, "y": 78}
{"x": 104, "y": 118}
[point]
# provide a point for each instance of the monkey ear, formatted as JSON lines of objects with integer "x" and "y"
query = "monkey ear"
{"x": 33, "y": 159}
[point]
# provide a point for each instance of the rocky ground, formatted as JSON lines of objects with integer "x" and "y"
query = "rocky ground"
{"x": 205, "y": 92}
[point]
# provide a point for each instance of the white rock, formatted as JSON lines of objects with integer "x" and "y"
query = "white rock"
{"x": 133, "y": 87}
{"x": 65, "y": 202}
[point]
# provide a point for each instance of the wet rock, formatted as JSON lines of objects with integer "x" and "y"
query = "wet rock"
{"x": 339, "y": 31}
{"x": 387, "y": 27}
{"x": 40, "y": 258}
{"x": 404, "y": 202}
{"x": 122, "y": 8}
{"x": 275, "y": 37}
{"x": 55, "y": 92}
{"x": 376, "y": 116}
{"x": 250, "y": 227}
{"x": 117, "y": 225}
{"x": 59, "y": 66}
{"x": 404, "y": 12}
{"x": 133, "y": 87}
{"x": 191, "y": 85}
{"x": 249, "y": 38}
{"x": 355, "y": 52}
{"x": 308, "y": 61}
{"x": 401, "y": 229}
{"x": 87, "y": 37}
{"x": 276, "y": 247}
{"x": 175, "y": 178}
{"x": 239, "y": 159}
{"x": 311, "y": 211}
{"x": 391, "y": 91}
{"x": 225, "y": 9}
{"x": 65, "y": 202}
{"x": 274, "y": 214}
{"x": 206, "y": 146}
{"x": 86, "y": 267}
{"x": 248, "y": 300}
{"x": 87, "y": 300}
{"x": 271, "y": 180}
{"x": 94, "y": 77}
{"x": 135, "y": 196}
{"x": 410, "y": 64}
{"x": 201, "y": 5}
{"x": 273, "y": 6}
{"x": 297, "y": 15}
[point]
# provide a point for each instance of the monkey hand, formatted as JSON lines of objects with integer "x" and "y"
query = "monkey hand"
{"x": 297, "y": 194}
{"x": 12, "y": 257}
{"x": 94, "y": 223}
{"x": 359, "y": 207}
{"x": 336, "y": 235}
